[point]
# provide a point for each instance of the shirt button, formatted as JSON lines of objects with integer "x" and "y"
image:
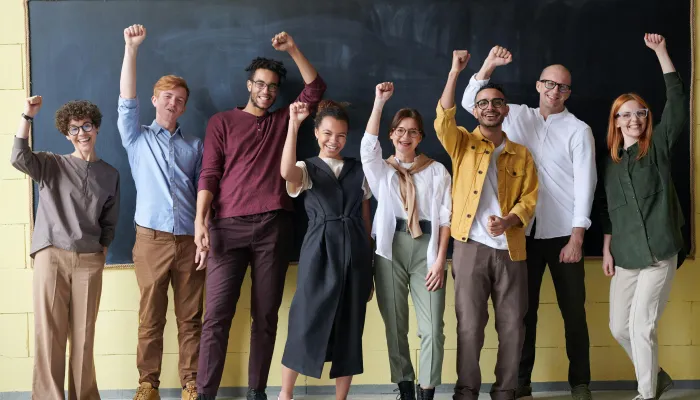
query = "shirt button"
{"x": 473, "y": 147}
{"x": 480, "y": 172}
{"x": 476, "y": 191}
{"x": 464, "y": 239}
{"x": 487, "y": 152}
{"x": 469, "y": 215}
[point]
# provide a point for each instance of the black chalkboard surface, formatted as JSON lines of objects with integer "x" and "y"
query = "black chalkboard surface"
{"x": 77, "y": 49}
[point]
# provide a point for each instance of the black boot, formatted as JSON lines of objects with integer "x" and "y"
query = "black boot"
{"x": 406, "y": 391}
{"x": 256, "y": 395}
{"x": 425, "y": 394}
{"x": 205, "y": 397}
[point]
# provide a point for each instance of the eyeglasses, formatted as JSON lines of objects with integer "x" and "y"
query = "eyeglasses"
{"x": 641, "y": 114}
{"x": 75, "y": 130}
{"x": 411, "y": 132}
{"x": 496, "y": 103}
{"x": 563, "y": 88}
{"x": 260, "y": 85}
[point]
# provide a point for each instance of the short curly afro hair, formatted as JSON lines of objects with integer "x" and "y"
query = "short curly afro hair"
{"x": 77, "y": 110}
{"x": 266, "y": 63}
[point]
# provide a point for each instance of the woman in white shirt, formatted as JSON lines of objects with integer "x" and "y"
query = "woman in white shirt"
{"x": 412, "y": 231}
{"x": 334, "y": 280}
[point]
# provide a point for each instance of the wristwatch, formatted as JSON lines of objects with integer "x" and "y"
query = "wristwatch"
{"x": 27, "y": 117}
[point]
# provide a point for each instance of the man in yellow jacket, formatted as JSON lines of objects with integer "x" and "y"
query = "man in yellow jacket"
{"x": 494, "y": 193}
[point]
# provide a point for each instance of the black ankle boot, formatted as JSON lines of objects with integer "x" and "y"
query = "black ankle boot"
{"x": 254, "y": 394}
{"x": 406, "y": 391}
{"x": 425, "y": 394}
{"x": 205, "y": 397}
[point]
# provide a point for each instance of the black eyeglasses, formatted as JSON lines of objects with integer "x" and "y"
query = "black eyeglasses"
{"x": 411, "y": 132}
{"x": 496, "y": 103}
{"x": 75, "y": 130}
{"x": 260, "y": 85}
{"x": 563, "y": 88}
{"x": 641, "y": 114}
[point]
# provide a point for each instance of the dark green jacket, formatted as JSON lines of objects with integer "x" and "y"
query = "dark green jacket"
{"x": 641, "y": 210}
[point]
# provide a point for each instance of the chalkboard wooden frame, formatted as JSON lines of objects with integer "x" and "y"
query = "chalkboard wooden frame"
{"x": 690, "y": 219}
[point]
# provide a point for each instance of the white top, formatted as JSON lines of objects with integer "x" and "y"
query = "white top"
{"x": 335, "y": 165}
{"x": 433, "y": 195}
{"x": 489, "y": 205}
{"x": 564, "y": 152}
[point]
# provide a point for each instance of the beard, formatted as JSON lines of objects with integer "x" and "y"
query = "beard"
{"x": 253, "y": 100}
{"x": 491, "y": 124}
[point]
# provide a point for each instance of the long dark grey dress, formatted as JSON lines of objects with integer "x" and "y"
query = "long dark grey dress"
{"x": 334, "y": 279}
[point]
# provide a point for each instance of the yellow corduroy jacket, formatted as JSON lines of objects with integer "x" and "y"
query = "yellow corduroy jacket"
{"x": 471, "y": 155}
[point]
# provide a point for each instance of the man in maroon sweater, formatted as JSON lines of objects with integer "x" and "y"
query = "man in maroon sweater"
{"x": 251, "y": 224}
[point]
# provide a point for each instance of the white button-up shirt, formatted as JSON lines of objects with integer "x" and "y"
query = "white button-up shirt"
{"x": 564, "y": 153}
{"x": 433, "y": 197}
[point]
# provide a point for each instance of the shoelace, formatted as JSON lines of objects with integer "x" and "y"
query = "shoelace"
{"x": 192, "y": 392}
{"x": 399, "y": 396}
{"x": 142, "y": 393}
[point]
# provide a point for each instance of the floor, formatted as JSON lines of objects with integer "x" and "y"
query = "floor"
{"x": 613, "y": 395}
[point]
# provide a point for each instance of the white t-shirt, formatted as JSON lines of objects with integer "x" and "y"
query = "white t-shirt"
{"x": 335, "y": 165}
{"x": 489, "y": 205}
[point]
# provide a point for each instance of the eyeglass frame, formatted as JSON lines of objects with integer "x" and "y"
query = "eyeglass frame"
{"x": 646, "y": 114}
{"x": 260, "y": 85}
{"x": 557, "y": 85}
{"x": 489, "y": 101}
{"x": 78, "y": 128}
{"x": 407, "y": 131}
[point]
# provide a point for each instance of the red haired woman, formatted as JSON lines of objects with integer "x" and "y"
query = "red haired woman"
{"x": 642, "y": 221}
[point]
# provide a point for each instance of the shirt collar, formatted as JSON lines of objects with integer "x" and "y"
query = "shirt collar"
{"x": 509, "y": 146}
{"x": 155, "y": 127}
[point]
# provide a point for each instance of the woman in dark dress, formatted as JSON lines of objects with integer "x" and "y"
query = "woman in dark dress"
{"x": 642, "y": 221}
{"x": 334, "y": 279}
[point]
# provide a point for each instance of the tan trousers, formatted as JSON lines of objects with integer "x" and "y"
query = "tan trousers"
{"x": 481, "y": 272}
{"x": 67, "y": 288}
{"x": 161, "y": 258}
{"x": 637, "y": 300}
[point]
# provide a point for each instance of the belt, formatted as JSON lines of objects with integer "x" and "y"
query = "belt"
{"x": 402, "y": 226}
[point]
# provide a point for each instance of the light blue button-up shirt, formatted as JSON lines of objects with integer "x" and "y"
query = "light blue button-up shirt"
{"x": 165, "y": 168}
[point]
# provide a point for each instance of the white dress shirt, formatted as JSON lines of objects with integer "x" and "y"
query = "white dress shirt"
{"x": 433, "y": 195}
{"x": 564, "y": 152}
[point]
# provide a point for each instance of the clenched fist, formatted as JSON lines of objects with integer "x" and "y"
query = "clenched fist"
{"x": 134, "y": 35}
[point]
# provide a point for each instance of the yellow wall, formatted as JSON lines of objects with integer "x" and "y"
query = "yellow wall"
{"x": 118, "y": 319}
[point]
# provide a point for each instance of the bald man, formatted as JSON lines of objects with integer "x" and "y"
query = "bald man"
{"x": 564, "y": 152}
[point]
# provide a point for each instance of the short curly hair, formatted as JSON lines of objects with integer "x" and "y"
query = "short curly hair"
{"x": 77, "y": 110}
{"x": 266, "y": 63}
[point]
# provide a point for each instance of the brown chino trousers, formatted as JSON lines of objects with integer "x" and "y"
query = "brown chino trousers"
{"x": 481, "y": 271}
{"x": 66, "y": 290}
{"x": 161, "y": 258}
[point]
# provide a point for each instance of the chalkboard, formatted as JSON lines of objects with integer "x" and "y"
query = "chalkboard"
{"x": 77, "y": 49}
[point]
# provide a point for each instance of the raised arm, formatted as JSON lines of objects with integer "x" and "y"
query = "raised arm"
{"x": 370, "y": 149}
{"x": 128, "y": 111}
{"x": 450, "y": 135}
{"x": 314, "y": 86}
{"x": 133, "y": 37}
{"x": 23, "y": 158}
{"x": 674, "y": 118}
{"x": 290, "y": 172}
{"x": 382, "y": 94}
{"x": 498, "y": 56}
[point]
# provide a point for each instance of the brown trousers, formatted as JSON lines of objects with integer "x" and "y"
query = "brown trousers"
{"x": 480, "y": 271}
{"x": 161, "y": 258}
{"x": 67, "y": 288}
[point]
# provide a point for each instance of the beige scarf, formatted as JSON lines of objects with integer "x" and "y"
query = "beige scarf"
{"x": 408, "y": 189}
